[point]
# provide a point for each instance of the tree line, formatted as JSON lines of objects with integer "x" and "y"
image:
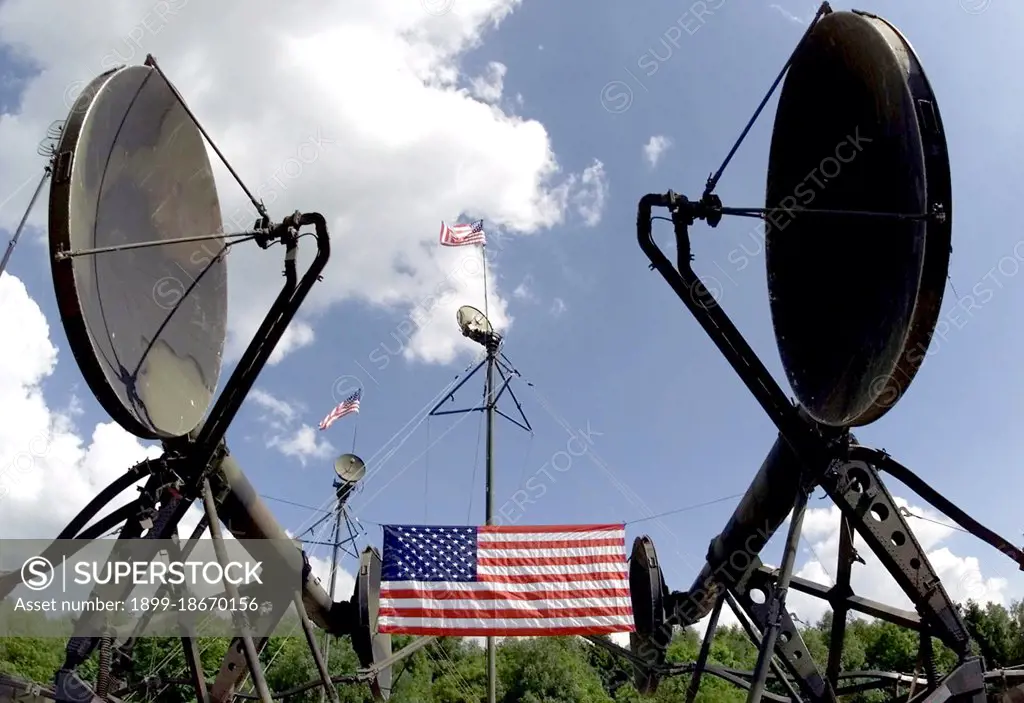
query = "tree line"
{"x": 538, "y": 670}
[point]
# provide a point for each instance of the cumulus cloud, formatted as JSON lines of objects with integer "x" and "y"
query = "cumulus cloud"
{"x": 489, "y": 86}
{"x": 48, "y": 471}
{"x": 344, "y": 582}
{"x": 524, "y": 291}
{"x": 654, "y": 148}
{"x": 285, "y": 430}
{"x": 591, "y": 194}
{"x": 364, "y": 115}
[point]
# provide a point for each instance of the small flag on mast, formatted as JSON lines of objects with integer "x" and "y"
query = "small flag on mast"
{"x": 347, "y": 406}
{"x": 463, "y": 234}
{"x": 505, "y": 580}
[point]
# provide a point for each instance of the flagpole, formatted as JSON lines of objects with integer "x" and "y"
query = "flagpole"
{"x": 492, "y": 349}
{"x": 483, "y": 257}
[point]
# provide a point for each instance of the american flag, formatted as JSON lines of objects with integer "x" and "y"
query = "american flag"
{"x": 462, "y": 235}
{"x": 349, "y": 405}
{"x": 505, "y": 580}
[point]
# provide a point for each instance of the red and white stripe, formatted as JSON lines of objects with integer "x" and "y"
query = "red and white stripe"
{"x": 544, "y": 580}
{"x": 461, "y": 235}
{"x": 343, "y": 409}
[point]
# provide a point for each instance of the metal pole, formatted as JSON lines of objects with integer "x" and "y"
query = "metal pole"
{"x": 334, "y": 570}
{"x": 252, "y": 655}
{"x": 705, "y": 649}
{"x": 839, "y": 609}
{"x": 771, "y": 634}
{"x": 492, "y": 661}
{"x": 328, "y": 690}
{"x": 24, "y": 219}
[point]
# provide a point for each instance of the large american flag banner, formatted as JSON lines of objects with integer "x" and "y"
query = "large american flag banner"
{"x": 505, "y": 580}
{"x": 463, "y": 235}
{"x": 346, "y": 407}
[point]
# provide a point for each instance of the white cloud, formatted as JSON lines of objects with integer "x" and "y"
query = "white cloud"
{"x": 277, "y": 407}
{"x": 298, "y": 335}
{"x": 557, "y": 307}
{"x": 286, "y": 433}
{"x": 343, "y": 584}
{"x": 489, "y": 86}
{"x": 302, "y": 443}
{"x": 788, "y": 15}
{"x": 620, "y": 638}
{"x": 524, "y": 291}
{"x": 390, "y": 133}
{"x": 590, "y": 197}
{"x": 48, "y": 471}
{"x": 654, "y": 148}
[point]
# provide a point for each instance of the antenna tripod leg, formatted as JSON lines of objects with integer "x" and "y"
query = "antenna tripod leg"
{"x": 335, "y": 540}
{"x": 321, "y": 665}
{"x": 839, "y": 607}
{"x": 252, "y": 657}
{"x": 778, "y": 603}
{"x": 24, "y": 218}
{"x": 748, "y": 627}
{"x": 705, "y": 650}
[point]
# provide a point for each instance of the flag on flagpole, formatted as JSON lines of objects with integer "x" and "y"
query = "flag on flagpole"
{"x": 347, "y": 406}
{"x": 501, "y": 581}
{"x": 463, "y": 234}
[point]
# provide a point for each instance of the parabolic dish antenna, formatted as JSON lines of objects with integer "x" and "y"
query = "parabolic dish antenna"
{"x": 855, "y": 300}
{"x": 146, "y": 325}
{"x": 350, "y": 468}
{"x": 647, "y": 592}
{"x": 473, "y": 322}
{"x": 372, "y": 647}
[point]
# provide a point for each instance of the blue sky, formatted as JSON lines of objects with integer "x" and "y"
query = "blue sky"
{"x": 669, "y": 419}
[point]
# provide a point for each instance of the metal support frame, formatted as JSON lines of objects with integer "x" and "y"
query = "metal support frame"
{"x": 777, "y": 603}
{"x": 495, "y": 360}
{"x": 197, "y": 467}
{"x": 340, "y": 515}
{"x": 853, "y": 484}
{"x": 764, "y": 617}
{"x": 848, "y": 473}
{"x": 182, "y": 476}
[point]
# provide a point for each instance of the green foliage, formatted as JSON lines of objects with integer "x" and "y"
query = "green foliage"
{"x": 539, "y": 670}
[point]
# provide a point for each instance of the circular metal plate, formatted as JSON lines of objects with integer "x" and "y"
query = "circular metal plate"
{"x": 371, "y": 646}
{"x": 471, "y": 319}
{"x": 646, "y": 590}
{"x": 146, "y": 326}
{"x": 349, "y": 468}
{"x": 855, "y": 300}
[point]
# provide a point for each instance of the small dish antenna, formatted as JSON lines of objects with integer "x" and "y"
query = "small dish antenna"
{"x": 475, "y": 325}
{"x": 350, "y": 470}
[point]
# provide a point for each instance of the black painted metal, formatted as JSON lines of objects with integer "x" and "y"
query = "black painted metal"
{"x": 849, "y": 371}
{"x": 840, "y": 592}
{"x": 842, "y": 291}
{"x": 705, "y": 649}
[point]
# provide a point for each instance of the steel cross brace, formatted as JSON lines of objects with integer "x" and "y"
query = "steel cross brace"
{"x": 858, "y": 491}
